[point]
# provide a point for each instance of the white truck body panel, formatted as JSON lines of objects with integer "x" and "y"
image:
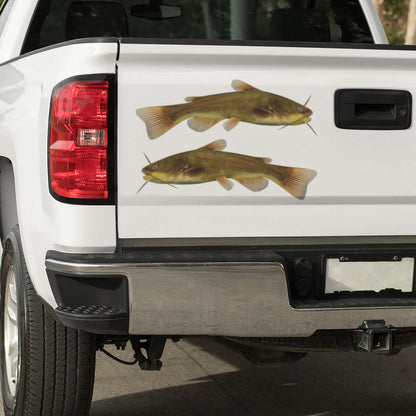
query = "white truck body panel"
{"x": 45, "y": 224}
{"x": 366, "y": 182}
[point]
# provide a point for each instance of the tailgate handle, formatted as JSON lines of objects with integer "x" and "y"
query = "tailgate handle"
{"x": 373, "y": 109}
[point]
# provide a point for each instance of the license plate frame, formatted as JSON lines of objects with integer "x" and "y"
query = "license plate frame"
{"x": 372, "y": 275}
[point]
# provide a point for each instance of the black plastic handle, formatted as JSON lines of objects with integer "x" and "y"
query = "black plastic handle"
{"x": 373, "y": 109}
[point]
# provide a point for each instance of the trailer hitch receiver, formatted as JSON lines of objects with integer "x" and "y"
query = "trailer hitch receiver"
{"x": 374, "y": 336}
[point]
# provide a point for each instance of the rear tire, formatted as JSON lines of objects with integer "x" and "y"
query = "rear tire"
{"x": 46, "y": 368}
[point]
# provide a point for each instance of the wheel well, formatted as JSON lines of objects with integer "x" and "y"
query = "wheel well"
{"x": 8, "y": 210}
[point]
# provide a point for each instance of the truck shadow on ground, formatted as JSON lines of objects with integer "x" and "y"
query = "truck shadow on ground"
{"x": 318, "y": 385}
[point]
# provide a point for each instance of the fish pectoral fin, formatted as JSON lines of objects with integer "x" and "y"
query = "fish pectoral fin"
{"x": 231, "y": 123}
{"x": 196, "y": 171}
{"x": 241, "y": 85}
{"x": 198, "y": 123}
{"x": 262, "y": 112}
{"x": 256, "y": 184}
{"x": 218, "y": 145}
{"x": 225, "y": 183}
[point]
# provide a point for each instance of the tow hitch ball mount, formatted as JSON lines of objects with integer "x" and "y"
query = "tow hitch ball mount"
{"x": 374, "y": 336}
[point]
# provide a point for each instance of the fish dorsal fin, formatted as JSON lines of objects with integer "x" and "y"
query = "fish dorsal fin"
{"x": 241, "y": 85}
{"x": 217, "y": 145}
{"x": 265, "y": 159}
{"x": 190, "y": 99}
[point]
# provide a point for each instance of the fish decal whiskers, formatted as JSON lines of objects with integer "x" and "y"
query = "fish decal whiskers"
{"x": 210, "y": 163}
{"x": 246, "y": 103}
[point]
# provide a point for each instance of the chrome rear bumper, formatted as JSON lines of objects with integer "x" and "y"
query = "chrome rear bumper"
{"x": 242, "y": 299}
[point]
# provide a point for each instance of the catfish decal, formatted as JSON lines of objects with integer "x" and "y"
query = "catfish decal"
{"x": 210, "y": 163}
{"x": 247, "y": 104}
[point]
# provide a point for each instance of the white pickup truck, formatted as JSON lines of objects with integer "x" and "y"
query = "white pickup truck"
{"x": 235, "y": 168}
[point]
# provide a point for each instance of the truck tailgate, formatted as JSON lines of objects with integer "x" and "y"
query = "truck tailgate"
{"x": 366, "y": 179}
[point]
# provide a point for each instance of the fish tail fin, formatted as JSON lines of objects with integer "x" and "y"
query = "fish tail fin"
{"x": 157, "y": 120}
{"x": 293, "y": 180}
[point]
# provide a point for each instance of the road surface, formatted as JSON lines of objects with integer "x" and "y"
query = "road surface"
{"x": 203, "y": 377}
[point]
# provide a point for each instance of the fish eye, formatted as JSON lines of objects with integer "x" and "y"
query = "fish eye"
{"x": 154, "y": 167}
{"x": 300, "y": 109}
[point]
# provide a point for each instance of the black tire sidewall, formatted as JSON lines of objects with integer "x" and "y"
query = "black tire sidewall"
{"x": 56, "y": 364}
{"x": 13, "y": 405}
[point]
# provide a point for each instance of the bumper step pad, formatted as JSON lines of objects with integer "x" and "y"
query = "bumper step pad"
{"x": 100, "y": 319}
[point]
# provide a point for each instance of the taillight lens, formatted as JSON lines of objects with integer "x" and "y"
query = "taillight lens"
{"x": 78, "y": 145}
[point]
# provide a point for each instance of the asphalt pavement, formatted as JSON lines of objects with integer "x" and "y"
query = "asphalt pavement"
{"x": 205, "y": 377}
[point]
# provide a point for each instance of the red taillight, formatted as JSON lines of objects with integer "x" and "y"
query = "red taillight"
{"x": 79, "y": 140}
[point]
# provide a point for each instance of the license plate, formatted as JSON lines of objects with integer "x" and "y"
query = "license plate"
{"x": 353, "y": 276}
